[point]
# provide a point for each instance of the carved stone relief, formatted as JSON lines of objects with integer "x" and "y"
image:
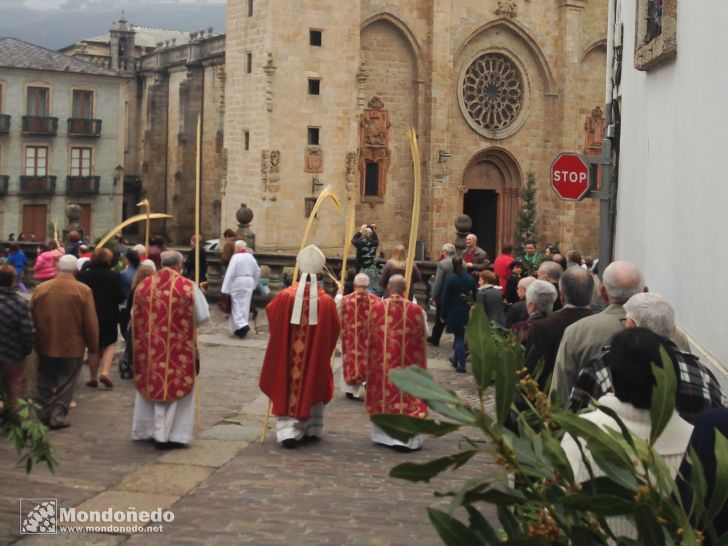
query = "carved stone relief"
{"x": 374, "y": 146}
{"x": 313, "y": 159}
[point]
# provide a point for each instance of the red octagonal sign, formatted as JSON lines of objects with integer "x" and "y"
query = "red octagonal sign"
{"x": 570, "y": 176}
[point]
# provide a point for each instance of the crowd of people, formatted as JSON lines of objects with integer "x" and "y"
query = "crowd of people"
{"x": 585, "y": 339}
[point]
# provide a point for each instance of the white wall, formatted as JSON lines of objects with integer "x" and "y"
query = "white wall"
{"x": 673, "y": 179}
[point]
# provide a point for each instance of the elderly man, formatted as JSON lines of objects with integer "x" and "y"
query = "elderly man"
{"x": 167, "y": 310}
{"x": 539, "y": 303}
{"x": 17, "y": 335}
{"x": 296, "y": 374}
{"x": 396, "y": 340}
{"x": 475, "y": 259}
{"x": 66, "y": 325}
{"x": 575, "y": 287}
{"x": 551, "y": 272}
{"x": 698, "y": 389}
{"x": 241, "y": 278}
{"x": 518, "y": 312}
{"x": 584, "y": 340}
{"x": 354, "y": 312}
{"x": 444, "y": 266}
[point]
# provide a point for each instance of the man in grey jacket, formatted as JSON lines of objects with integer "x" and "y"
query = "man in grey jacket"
{"x": 584, "y": 339}
{"x": 444, "y": 266}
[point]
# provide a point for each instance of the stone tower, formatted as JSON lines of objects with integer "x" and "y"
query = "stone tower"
{"x": 121, "y": 47}
{"x": 494, "y": 89}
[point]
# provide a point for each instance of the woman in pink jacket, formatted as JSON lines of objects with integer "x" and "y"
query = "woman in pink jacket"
{"x": 45, "y": 263}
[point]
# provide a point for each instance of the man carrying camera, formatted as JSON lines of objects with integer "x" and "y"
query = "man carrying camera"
{"x": 366, "y": 242}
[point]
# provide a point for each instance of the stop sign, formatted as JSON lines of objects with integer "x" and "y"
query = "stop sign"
{"x": 570, "y": 176}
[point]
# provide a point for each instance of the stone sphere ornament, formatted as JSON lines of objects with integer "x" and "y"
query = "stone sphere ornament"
{"x": 244, "y": 215}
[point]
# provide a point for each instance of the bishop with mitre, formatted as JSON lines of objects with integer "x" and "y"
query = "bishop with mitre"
{"x": 167, "y": 310}
{"x": 296, "y": 375}
{"x": 397, "y": 332}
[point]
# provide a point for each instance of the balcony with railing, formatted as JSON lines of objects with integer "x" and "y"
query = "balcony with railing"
{"x": 37, "y": 185}
{"x": 4, "y": 124}
{"x": 84, "y": 127}
{"x": 82, "y": 185}
{"x": 40, "y": 125}
{"x": 4, "y": 181}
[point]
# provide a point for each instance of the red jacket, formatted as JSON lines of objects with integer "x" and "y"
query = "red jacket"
{"x": 500, "y": 267}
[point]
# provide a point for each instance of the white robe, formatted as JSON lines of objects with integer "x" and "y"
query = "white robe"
{"x": 290, "y": 427}
{"x": 241, "y": 278}
{"x": 169, "y": 421}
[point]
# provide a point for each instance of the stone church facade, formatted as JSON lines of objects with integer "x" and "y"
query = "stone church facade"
{"x": 325, "y": 94}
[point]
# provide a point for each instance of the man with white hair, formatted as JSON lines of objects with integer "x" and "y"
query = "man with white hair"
{"x": 66, "y": 325}
{"x": 296, "y": 374}
{"x": 444, "y": 266}
{"x": 551, "y": 272}
{"x": 167, "y": 310}
{"x": 539, "y": 302}
{"x": 584, "y": 340}
{"x": 475, "y": 259}
{"x": 241, "y": 278}
{"x": 698, "y": 389}
{"x": 354, "y": 313}
{"x": 518, "y": 311}
{"x": 397, "y": 333}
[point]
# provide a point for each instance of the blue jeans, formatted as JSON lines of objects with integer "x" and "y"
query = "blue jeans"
{"x": 460, "y": 350}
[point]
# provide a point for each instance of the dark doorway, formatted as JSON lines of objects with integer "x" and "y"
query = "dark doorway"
{"x": 482, "y": 207}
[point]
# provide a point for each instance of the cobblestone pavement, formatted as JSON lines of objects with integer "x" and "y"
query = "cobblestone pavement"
{"x": 227, "y": 488}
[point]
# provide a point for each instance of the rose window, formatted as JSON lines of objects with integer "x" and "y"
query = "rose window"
{"x": 492, "y": 91}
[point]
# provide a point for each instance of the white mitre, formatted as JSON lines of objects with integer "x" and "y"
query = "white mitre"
{"x": 310, "y": 261}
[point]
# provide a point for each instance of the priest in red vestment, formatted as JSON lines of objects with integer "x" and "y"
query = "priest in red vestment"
{"x": 167, "y": 310}
{"x": 296, "y": 374}
{"x": 354, "y": 313}
{"x": 397, "y": 332}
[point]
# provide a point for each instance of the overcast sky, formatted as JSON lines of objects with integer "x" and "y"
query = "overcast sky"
{"x": 55, "y": 23}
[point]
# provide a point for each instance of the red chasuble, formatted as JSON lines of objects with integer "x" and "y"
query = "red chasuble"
{"x": 163, "y": 329}
{"x": 296, "y": 372}
{"x": 355, "y": 335}
{"x": 396, "y": 340}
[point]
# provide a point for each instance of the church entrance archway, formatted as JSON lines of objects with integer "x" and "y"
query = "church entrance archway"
{"x": 491, "y": 183}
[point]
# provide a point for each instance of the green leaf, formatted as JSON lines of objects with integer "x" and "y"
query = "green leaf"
{"x": 460, "y": 414}
{"x": 424, "y": 472}
{"x": 663, "y": 395}
{"x": 650, "y": 531}
{"x": 471, "y": 487}
{"x": 509, "y": 522}
{"x": 603, "y": 505}
{"x": 626, "y": 434}
{"x": 584, "y": 535}
{"x": 593, "y": 434}
{"x": 557, "y": 456}
{"x": 505, "y": 381}
{"x": 482, "y": 347}
{"x": 720, "y": 487}
{"x": 404, "y": 427}
{"x": 418, "y": 382}
{"x": 452, "y": 531}
{"x": 480, "y": 525}
{"x": 605, "y": 485}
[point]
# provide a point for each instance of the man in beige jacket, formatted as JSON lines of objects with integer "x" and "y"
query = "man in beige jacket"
{"x": 66, "y": 324}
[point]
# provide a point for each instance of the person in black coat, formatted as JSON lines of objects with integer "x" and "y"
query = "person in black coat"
{"x": 459, "y": 288}
{"x": 189, "y": 265}
{"x": 108, "y": 291}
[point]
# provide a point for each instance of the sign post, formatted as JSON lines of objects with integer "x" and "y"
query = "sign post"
{"x": 570, "y": 176}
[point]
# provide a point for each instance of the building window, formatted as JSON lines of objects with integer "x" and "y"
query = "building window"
{"x": 246, "y": 140}
{"x": 81, "y": 161}
{"x": 313, "y": 136}
{"x": 309, "y": 203}
{"x": 315, "y": 37}
{"x": 249, "y": 63}
{"x": 371, "y": 180}
{"x": 38, "y": 98}
{"x": 314, "y": 86}
{"x": 250, "y": 8}
{"x": 36, "y": 160}
{"x": 656, "y": 33}
{"x": 83, "y": 104}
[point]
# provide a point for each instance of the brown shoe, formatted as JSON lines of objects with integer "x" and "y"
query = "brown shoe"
{"x": 106, "y": 381}
{"x": 92, "y": 383}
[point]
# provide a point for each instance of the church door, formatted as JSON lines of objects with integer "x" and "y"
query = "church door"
{"x": 482, "y": 207}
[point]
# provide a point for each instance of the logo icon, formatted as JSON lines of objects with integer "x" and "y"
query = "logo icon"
{"x": 38, "y": 516}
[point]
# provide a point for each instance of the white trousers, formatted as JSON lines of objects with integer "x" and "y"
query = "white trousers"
{"x": 164, "y": 421}
{"x": 289, "y": 427}
{"x": 381, "y": 437}
{"x": 240, "y": 303}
